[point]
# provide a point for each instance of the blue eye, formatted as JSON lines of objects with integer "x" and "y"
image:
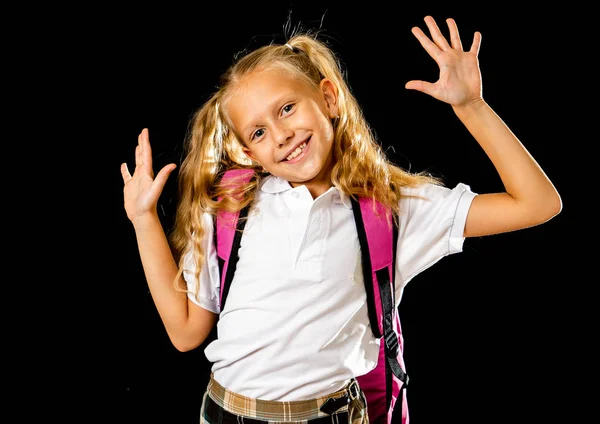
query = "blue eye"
{"x": 257, "y": 133}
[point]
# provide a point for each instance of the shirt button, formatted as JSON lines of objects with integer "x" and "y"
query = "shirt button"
{"x": 295, "y": 194}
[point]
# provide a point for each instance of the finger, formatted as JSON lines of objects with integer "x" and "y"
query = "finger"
{"x": 430, "y": 47}
{"x": 162, "y": 176}
{"x": 436, "y": 34}
{"x": 454, "y": 34}
{"x": 476, "y": 43}
{"x": 125, "y": 172}
{"x": 138, "y": 152}
{"x": 138, "y": 156}
{"x": 146, "y": 149}
{"x": 422, "y": 86}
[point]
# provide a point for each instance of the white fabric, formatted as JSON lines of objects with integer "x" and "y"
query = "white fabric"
{"x": 295, "y": 322}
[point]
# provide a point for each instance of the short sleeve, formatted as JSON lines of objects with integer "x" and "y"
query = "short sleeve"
{"x": 208, "y": 295}
{"x": 431, "y": 226}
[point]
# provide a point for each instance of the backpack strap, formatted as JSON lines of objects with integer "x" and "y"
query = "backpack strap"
{"x": 378, "y": 252}
{"x": 378, "y": 240}
{"x": 228, "y": 232}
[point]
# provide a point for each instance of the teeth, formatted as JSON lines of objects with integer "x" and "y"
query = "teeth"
{"x": 296, "y": 152}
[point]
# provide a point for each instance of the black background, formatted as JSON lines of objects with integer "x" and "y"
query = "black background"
{"x": 484, "y": 334}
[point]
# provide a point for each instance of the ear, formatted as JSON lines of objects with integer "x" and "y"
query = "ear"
{"x": 330, "y": 94}
{"x": 248, "y": 153}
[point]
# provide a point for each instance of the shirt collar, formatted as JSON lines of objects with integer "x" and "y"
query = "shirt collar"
{"x": 272, "y": 184}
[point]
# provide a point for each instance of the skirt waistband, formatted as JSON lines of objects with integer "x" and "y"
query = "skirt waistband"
{"x": 282, "y": 411}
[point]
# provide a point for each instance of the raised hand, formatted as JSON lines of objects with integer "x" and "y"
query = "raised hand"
{"x": 142, "y": 190}
{"x": 459, "y": 82}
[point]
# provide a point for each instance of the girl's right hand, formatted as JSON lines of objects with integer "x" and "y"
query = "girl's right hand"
{"x": 142, "y": 190}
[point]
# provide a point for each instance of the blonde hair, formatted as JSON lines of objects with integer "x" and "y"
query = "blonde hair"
{"x": 361, "y": 168}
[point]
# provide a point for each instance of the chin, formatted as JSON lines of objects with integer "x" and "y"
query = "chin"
{"x": 304, "y": 177}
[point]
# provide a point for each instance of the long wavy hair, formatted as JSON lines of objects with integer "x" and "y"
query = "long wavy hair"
{"x": 361, "y": 167}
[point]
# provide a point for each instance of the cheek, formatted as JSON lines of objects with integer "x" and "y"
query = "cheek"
{"x": 327, "y": 130}
{"x": 261, "y": 153}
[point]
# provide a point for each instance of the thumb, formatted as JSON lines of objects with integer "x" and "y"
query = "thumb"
{"x": 418, "y": 85}
{"x": 161, "y": 178}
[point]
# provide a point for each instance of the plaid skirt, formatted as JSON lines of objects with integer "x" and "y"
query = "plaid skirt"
{"x": 222, "y": 406}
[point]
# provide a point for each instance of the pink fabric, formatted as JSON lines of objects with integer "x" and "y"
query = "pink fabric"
{"x": 379, "y": 238}
{"x": 379, "y": 235}
{"x": 227, "y": 220}
{"x": 397, "y": 384}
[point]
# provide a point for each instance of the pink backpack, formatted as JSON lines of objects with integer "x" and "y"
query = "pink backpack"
{"x": 385, "y": 383}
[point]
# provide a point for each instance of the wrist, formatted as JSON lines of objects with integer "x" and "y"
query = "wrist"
{"x": 146, "y": 221}
{"x": 470, "y": 108}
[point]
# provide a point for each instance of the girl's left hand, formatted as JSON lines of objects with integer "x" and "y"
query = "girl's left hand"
{"x": 459, "y": 83}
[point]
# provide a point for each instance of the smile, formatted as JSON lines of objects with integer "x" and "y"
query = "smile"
{"x": 297, "y": 154}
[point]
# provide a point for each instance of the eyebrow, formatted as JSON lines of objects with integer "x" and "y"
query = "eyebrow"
{"x": 279, "y": 100}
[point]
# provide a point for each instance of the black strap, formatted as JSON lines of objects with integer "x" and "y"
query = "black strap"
{"x": 234, "y": 257}
{"x": 366, "y": 266}
{"x": 392, "y": 347}
{"x": 332, "y": 405}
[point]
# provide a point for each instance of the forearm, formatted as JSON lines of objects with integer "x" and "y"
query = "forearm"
{"x": 161, "y": 270}
{"x": 523, "y": 178}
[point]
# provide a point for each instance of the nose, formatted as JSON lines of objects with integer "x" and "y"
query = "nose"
{"x": 281, "y": 134}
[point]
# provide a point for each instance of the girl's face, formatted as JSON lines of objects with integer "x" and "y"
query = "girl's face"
{"x": 285, "y": 125}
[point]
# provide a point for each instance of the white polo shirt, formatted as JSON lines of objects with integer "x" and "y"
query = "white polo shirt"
{"x": 295, "y": 324}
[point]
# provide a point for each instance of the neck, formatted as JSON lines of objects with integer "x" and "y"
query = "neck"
{"x": 315, "y": 188}
{"x": 320, "y": 183}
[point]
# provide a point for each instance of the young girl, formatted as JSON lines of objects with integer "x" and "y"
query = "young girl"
{"x": 294, "y": 331}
